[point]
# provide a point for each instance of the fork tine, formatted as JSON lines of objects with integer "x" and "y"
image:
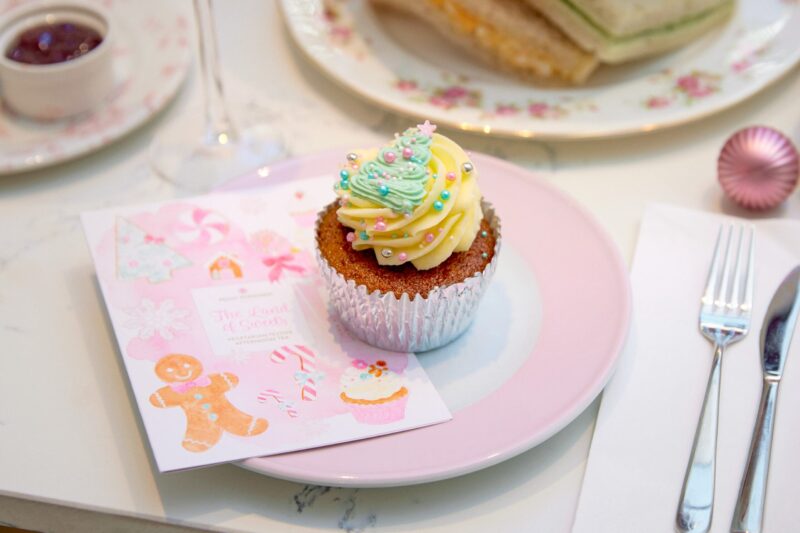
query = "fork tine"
{"x": 713, "y": 271}
{"x": 738, "y": 275}
{"x": 719, "y": 299}
{"x": 747, "y": 305}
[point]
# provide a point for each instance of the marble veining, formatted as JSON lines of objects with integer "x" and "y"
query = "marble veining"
{"x": 340, "y": 500}
{"x": 351, "y": 522}
{"x": 306, "y": 497}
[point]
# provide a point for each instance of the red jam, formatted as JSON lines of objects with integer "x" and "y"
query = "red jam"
{"x": 54, "y": 43}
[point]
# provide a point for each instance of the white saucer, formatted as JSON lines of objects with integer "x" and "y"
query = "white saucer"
{"x": 152, "y": 56}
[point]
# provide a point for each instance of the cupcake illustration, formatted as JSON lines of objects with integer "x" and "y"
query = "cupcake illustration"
{"x": 373, "y": 393}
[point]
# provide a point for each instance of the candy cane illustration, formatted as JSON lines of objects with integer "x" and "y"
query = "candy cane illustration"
{"x": 283, "y": 405}
{"x": 308, "y": 375}
{"x": 202, "y": 226}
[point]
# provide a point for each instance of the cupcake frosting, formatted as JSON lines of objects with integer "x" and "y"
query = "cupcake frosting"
{"x": 415, "y": 200}
{"x": 370, "y": 382}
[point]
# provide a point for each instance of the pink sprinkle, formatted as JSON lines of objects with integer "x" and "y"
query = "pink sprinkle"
{"x": 389, "y": 157}
{"x": 402, "y": 256}
{"x": 451, "y": 176}
{"x": 351, "y": 237}
{"x": 380, "y": 226}
{"x": 429, "y": 237}
{"x": 407, "y": 152}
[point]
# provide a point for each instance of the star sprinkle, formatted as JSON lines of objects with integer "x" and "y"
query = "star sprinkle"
{"x": 426, "y": 128}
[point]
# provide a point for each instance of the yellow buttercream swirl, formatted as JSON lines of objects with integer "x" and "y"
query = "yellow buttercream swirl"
{"x": 426, "y": 236}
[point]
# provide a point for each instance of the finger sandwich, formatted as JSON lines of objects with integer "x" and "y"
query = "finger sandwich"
{"x": 509, "y": 34}
{"x": 621, "y": 30}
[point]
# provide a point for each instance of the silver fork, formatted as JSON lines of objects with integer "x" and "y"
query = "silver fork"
{"x": 725, "y": 310}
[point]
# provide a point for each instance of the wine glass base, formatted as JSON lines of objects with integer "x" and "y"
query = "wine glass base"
{"x": 181, "y": 156}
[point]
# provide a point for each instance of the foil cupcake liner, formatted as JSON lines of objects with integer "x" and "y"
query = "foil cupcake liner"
{"x": 406, "y": 324}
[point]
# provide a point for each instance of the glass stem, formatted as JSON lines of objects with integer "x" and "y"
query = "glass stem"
{"x": 219, "y": 129}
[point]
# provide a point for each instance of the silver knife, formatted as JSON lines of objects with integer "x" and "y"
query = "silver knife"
{"x": 776, "y": 335}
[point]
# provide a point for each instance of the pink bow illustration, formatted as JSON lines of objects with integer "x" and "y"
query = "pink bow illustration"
{"x": 153, "y": 240}
{"x": 202, "y": 381}
{"x": 278, "y": 263}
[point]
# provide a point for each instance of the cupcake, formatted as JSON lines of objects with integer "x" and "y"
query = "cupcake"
{"x": 409, "y": 247}
{"x": 373, "y": 393}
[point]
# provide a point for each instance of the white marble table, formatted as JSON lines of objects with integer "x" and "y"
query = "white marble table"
{"x": 70, "y": 438}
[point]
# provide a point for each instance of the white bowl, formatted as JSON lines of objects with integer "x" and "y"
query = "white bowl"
{"x": 58, "y": 90}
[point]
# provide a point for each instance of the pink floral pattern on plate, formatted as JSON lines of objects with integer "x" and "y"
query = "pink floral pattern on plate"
{"x": 339, "y": 29}
{"x": 684, "y": 89}
{"x": 459, "y": 95}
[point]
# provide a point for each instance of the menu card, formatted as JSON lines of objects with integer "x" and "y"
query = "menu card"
{"x": 222, "y": 323}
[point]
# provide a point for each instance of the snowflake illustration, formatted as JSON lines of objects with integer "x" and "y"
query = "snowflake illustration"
{"x": 149, "y": 319}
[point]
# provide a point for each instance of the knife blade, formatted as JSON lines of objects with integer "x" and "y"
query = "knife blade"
{"x": 776, "y": 333}
{"x": 776, "y": 337}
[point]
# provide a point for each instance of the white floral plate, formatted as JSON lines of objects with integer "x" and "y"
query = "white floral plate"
{"x": 152, "y": 56}
{"x": 401, "y": 64}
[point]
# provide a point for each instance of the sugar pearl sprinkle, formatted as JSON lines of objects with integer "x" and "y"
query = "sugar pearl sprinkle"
{"x": 467, "y": 167}
{"x": 407, "y": 153}
{"x": 344, "y": 176}
{"x": 380, "y": 224}
{"x": 451, "y": 176}
{"x": 484, "y": 233}
{"x": 352, "y": 156}
{"x": 387, "y": 253}
{"x": 402, "y": 256}
{"x": 429, "y": 237}
{"x": 484, "y": 255}
{"x": 389, "y": 157}
{"x": 351, "y": 237}
{"x": 437, "y": 205}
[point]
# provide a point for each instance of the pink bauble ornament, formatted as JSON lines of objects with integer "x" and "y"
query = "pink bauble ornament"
{"x": 758, "y": 167}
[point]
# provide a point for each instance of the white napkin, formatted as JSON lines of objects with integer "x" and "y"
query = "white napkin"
{"x": 650, "y": 408}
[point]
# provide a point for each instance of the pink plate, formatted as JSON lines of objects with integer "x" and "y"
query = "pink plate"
{"x": 579, "y": 310}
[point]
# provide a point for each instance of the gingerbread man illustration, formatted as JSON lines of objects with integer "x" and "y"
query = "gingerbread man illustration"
{"x": 202, "y": 398}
